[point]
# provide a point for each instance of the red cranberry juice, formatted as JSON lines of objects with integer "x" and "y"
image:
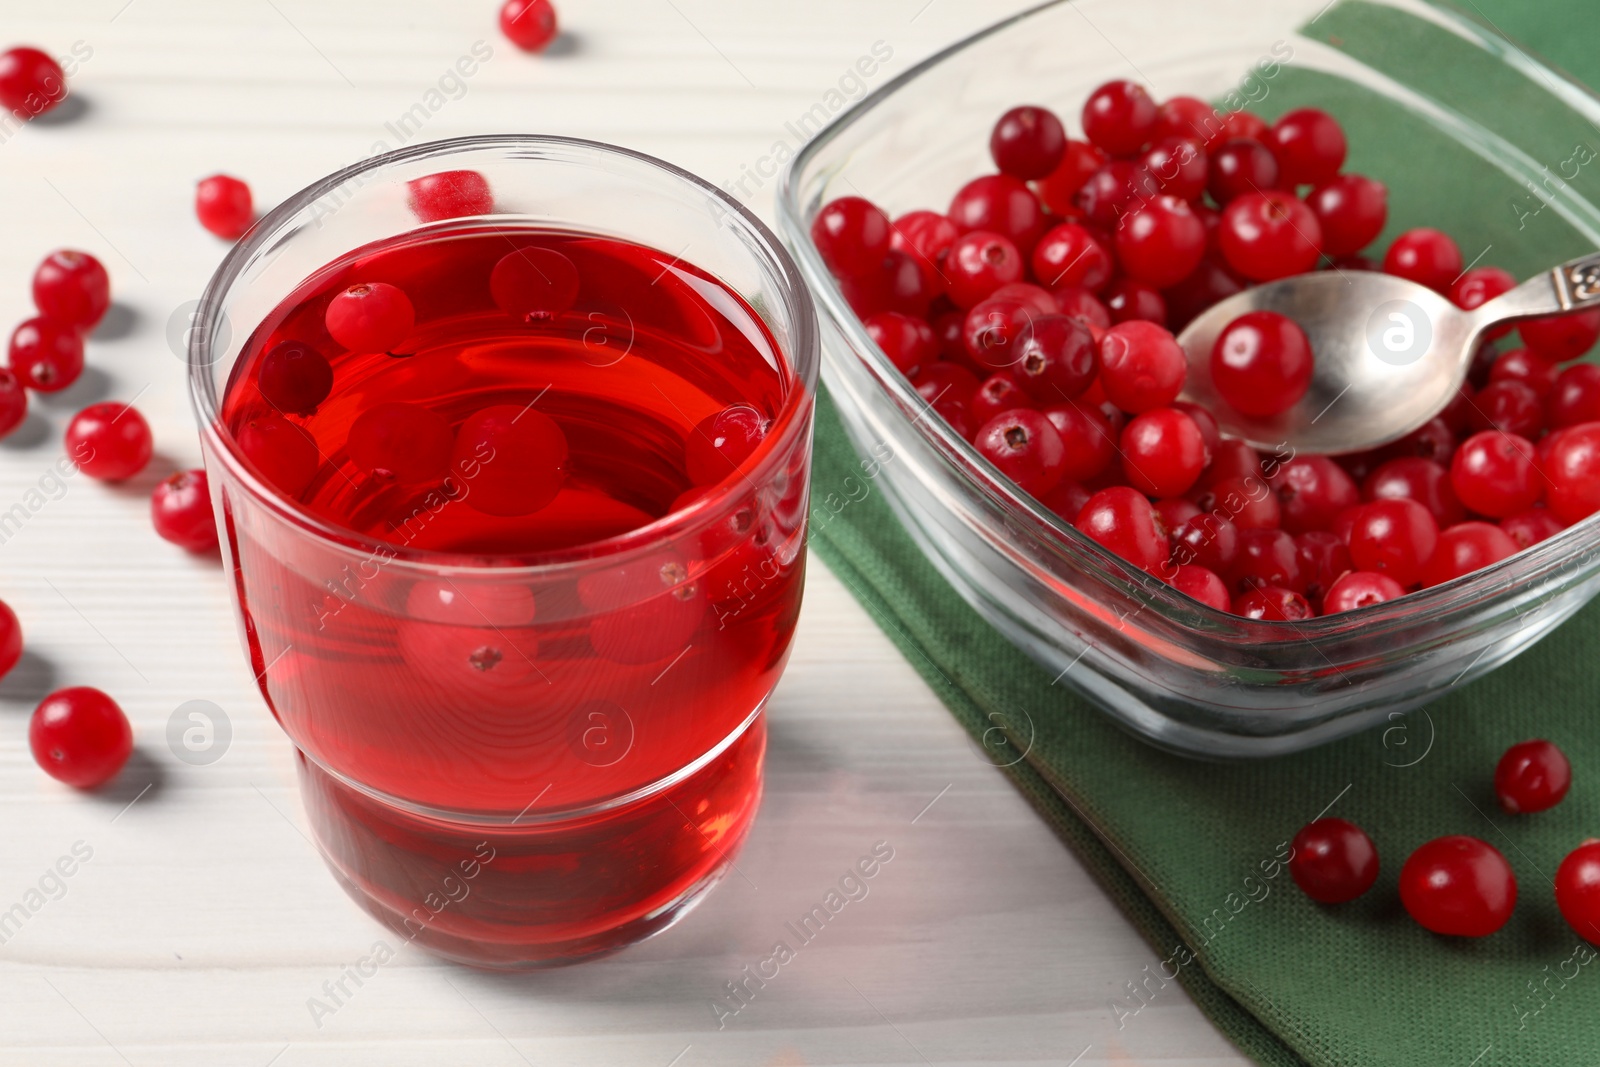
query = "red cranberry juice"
{"x": 511, "y": 768}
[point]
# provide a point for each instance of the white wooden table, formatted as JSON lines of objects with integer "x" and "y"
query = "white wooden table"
{"x": 204, "y": 921}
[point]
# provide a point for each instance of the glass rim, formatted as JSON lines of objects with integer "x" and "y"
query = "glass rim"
{"x": 801, "y": 359}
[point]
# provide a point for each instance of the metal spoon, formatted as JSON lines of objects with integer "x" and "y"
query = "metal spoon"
{"x": 1390, "y": 354}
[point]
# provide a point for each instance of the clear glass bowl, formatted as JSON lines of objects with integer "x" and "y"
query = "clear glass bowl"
{"x": 1183, "y": 675}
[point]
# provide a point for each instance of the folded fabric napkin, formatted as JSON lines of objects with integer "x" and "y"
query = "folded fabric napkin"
{"x": 1193, "y": 852}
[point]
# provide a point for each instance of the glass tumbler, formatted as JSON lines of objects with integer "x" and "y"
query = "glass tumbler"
{"x": 528, "y": 758}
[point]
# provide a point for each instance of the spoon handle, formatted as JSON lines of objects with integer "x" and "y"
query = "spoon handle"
{"x": 1572, "y": 286}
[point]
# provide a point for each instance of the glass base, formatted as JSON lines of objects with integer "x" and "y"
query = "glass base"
{"x": 554, "y": 891}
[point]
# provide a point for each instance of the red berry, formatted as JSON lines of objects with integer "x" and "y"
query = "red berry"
{"x": 1433, "y": 440}
{"x": 1127, "y": 299}
{"x": 72, "y": 288}
{"x": 925, "y": 235}
{"x": 1141, "y": 366}
{"x": 1333, "y": 861}
{"x": 1209, "y": 283}
{"x": 1027, "y": 142}
{"x": 1178, "y": 165}
{"x": 31, "y": 82}
{"x": 996, "y": 394}
{"x": 1560, "y": 338}
{"x": 529, "y": 24}
{"x": 1059, "y": 189}
{"x": 1238, "y": 167}
{"x": 1035, "y": 297}
{"x": 1528, "y": 528}
{"x": 1267, "y": 557}
{"x": 1351, "y": 209}
{"x": 1070, "y": 255}
{"x": 80, "y": 736}
{"x": 998, "y": 203}
{"x": 1309, "y": 146}
{"x": 1458, "y": 885}
{"x": 1477, "y": 287}
{"x": 1269, "y": 235}
{"x": 1571, "y": 461}
{"x": 1578, "y": 890}
{"x": 907, "y": 341}
{"x": 1087, "y": 440}
{"x": 1188, "y": 116}
{"x": 908, "y": 286}
{"x": 180, "y": 510}
{"x": 530, "y": 458}
{"x": 941, "y": 378}
{"x": 1120, "y": 117}
{"x": 1424, "y": 256}
{"x": 1575, "y": 397}
{"x": 450, "y": 194}
{"x": 1464, "y": 548}
{"x": 285, "y": 455}
{"x": 1272, "y": 604}
{"x": 406, "y": 442}
{"x": 46, "y": 355}
{"x": 371, "y": 317}
{"x": 979, "y": 263}
{"x": 294, "y": 377}
{"x": 1202, "y": 584}
{"x": 1113, "y": 190}
{"x": 1323, "y": 559}
{"x": 10, "y": 639}
{"x": 1055, "y": 359}
{"x": 1082, "y": 305}
{"x": 1511, "y": 406}
{"x": 1246, "y": 502}
{"x": 224, "y": 206}
{"x": 1522, "y": 365}
{"x": 1161, "y": 242}
{"x": 1208, "y": 540}
{"x": 717, "y": 446}
{"x": 1162, "y": 452}
{"x": 13, "y": 402}
{"x": 992, "y": 330}
{"x": 1261, "y": 363}
{"x": 1532, "y": 776}
{"x": 1243, "y": 124}
{"x": 1121, "y": 520}
{"x": 1422, "y": 480}
{"x": 109, "y": 441}
{"x": 1393, "y": 537}
{"x": 531, "y": 284}
{"x": 1025, "y": 446}
{"x": 1312, "y": 490}
{"x": 1494, "y": 474}
{"x": 1360, "y": 589}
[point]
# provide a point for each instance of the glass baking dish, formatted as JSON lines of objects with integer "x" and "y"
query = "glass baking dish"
{"x": 1170, "y": 669}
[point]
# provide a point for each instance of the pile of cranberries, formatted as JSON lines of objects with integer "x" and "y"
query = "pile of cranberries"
{"x": 1036, "y": 315}
{"x": 1459, "y": 885}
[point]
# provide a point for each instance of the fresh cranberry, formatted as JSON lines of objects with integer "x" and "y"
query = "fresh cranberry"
{"x": 530, "y": 455}
{"x": 1432, "y": 440}
{"x": 1201, "y": 584}
{"x": 531, "y": 284}
{"x": 998, "y": 203}
{"x": 449, "y": 194}
{"x": 1571, "y": 459}
{"x": 109, "y": 441}
{"x": 1426, "y": 257}
{"x": 1066, "y": 500}
{"x": 1178, "y": 165}
{"x": 1080, "y": 304}
{"x": 1560, "y": 338}
{"x": 1187, "y": 116}
{"x": 851, "y": 235}
{"x": 1238, "y": 167}
{"x": 1333, "y": 861}
{"x": 1323, "y": 559}
{"x": 1393, "y": 537}
{"x": 1458, "y": 885}
{"x": 1575, "y": 396}
{"x": 1532, "y": 776}
{"x": 1243, "y": 124}
{"x": 31, "y": 82}
{"x": 1161, "y": 241}
{"x": 907, "y": 341}
{"x": 1511, "y": 406}
{"x": 1464, "y": 548}
{"x": 1113, "y": 190}
{"x": 1036, "y": 297}
{"x": 1141, "y": 366}
{"x": 1351, "y": 209}
{"x": 1249, "y": 503}
{"x": 13, "y": 402}
{"x": 1120, "y": 117}
{"x": 1070, "y": 255}
{"x": 993, "y": 329}
{"x": 1127, "y": 299}
{"x": 407, "y": 442}
{"x": 10, "y": 639}
{"x": 1522, "y": 365}
{"x": 1059, "y": 189}
{"x": 1578, "y": 890}
{"x": 294, "y": 377}
{"x": 1055, "y": 359}
{"x": 717, "y": 446}
{"x": 1360, "y": 589}
{"x": 979, "y": 263}
{"x": 1494, "y": 474}
{"x": 908, "y": 286}
{"x": 1272, "y": 604}
{"x": 1205, "y": 423}
{"x": 180, "y": 510}
{"x": 1206, "y": 285}
{"x": 1087, "y": 439}
{"x": 80, "y": 736}
{"x": 1477, "y": 287}
{"x": 46, "y": 355}
{"x": 1261, "y": 363}
{"x": 529, "y": 24}
{"x": 285, "y": 454}
{"x": 1121, "y": 520}
{"x": 927, "y": 235}
{"x": 1457, "y": 414}
{"x": 224, "y": 206}
{"x": 1267, "y": 557}
{"x": 1025, "y": 446}
{"x": 1027, "y": 142}
{"x": 1174, "y": 511}
{"x": 371, "y": 317}
{"x": 942, "y": 378}
{"x": 1311, "y": 491}
{"x": 1232, "y": 458}
{"x": 1270, "y": 234}
{"x": 72, "y": 288}
{"x": 1422, "y": 480}
{"x": 1528, "y": 528}
{"x": 1207, "y": 539}
{"x": 1162, "y": 452}
{"x": 1309, "y": 146}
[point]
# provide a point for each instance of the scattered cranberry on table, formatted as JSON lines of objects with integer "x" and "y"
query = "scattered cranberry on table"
{"x": 180, "y": 510}
{"x": 1578, "y": 890}
{"x": 529, "y": 24}
{"x": 31, "y": 82}
{"x": 224, "y": 206}
{"x": 1333, "y": 861}
{"x": 72, "y": 288}
{"x": 1532, "y": 776}
{"x": 10, "y": 639}
{"x": 80, "y": 736}
{"x": 13, "y": 402}
{"x": 46, "y": 355}
{"x": 109, "y": 441}
{"x": 1458, "y": 885}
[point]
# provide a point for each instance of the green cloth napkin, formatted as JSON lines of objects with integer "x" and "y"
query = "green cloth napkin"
{"x": 1193, "y": 851}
